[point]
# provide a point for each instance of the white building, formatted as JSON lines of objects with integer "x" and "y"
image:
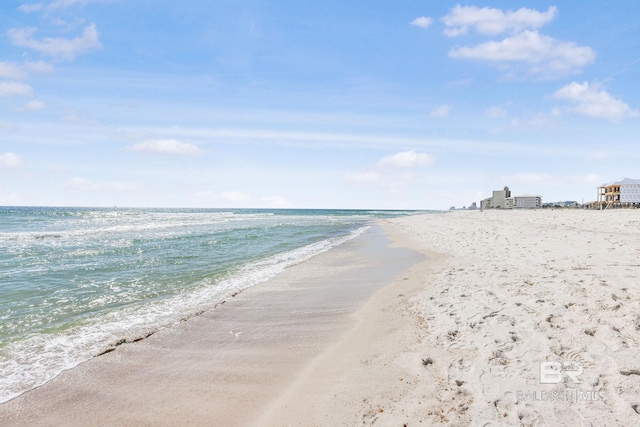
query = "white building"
{"x": 621, "y": 192}
{"x": 525, "y": 201}
{"x": 497, "y": 201}
{"x": 630, "y": 190}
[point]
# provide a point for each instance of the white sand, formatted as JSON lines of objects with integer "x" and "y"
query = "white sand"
{"x": 513, "y": 289}
{"x": 538, "y": 286}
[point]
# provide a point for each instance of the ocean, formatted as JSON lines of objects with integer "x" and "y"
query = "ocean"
{"x": 77, "y": 282}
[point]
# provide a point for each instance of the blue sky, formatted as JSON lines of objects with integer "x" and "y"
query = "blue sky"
{"x": 395, "y": 104}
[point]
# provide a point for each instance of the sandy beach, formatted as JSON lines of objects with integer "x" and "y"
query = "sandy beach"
{"x": 515, "y": 318}
{"x": 461, "y": 341}
{"x": 527, "y": 287}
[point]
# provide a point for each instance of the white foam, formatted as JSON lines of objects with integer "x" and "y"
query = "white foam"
{"x": 110, "y": 226}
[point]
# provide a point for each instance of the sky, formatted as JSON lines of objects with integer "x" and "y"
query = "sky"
{"x": 403, "y": 104}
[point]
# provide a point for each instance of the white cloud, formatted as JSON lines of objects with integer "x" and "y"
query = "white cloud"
{"x": 34, "y": 7}
{"x": 407, "y": 159}
{"x": 10, "y": 160}
{"x": 59, "y": 48}
{"x": 33, "y": 105}
{"x": 363, "y": 177}
{"x": 441, "y": 111}
{"x": 57, "y": 4}
{"x": 167, "y": 146}
{"x": 88, "y": 185}
{"x": 10, "y": 70}
{"x": 13, "y": 71}
{"x": 65, "y": 3}
{"x": 8, "y": 89}
{"x": 422, "y": 22}
{"x": 532, "y": 121}
{"x": 39, "y": 67}
{"x": 492, "y": 21}
{"x": 546, "y": 55}
{"x": 594, "y": 102}
{"x": 496, "y": 112}
{"x": 390, "y": 173}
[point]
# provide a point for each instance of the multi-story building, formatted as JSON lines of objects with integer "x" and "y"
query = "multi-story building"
{"x": 624, "y": 192}
{"x": 502, "y": 199}
{"x": 497, "y": 201}
{"x": 525, "y": 201}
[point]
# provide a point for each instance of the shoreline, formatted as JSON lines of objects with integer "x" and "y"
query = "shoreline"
{"x": 37, "y": 357}
{"x": 456, "y": 336}
{"x": 244, "y": 350}
{"x": 375, "y": 373}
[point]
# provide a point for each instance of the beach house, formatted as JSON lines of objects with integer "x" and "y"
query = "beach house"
{"x": 622, "y": 193}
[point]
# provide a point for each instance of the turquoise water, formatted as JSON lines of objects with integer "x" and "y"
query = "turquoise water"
{"x": 75, "y": 282}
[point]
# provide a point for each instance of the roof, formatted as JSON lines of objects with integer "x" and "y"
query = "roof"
{"x": 623, "y": 181}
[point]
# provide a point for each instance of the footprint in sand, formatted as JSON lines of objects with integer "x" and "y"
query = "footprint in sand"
{"x": 371, "y": 416}
{"x": 555, "y": 321}
{"x": 512, "y": 411}
{"x": 576, "y": 356}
